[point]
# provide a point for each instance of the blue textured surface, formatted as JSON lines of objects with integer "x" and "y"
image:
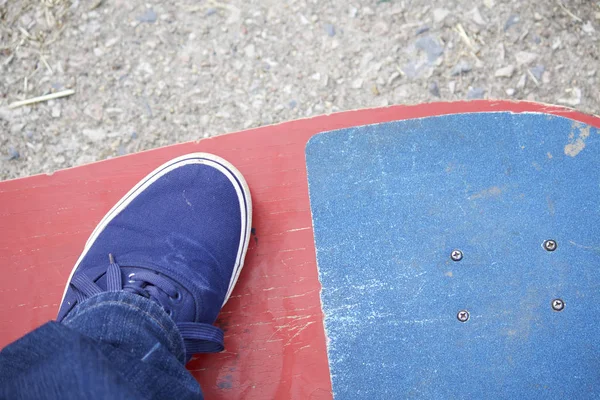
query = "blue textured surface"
{"x": 391, "y": 201}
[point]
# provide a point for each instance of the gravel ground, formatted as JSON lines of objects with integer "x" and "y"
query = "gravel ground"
{"x": 148, "y": 74}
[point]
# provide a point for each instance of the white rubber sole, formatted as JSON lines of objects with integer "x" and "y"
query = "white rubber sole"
{"x": 224, "y": 166}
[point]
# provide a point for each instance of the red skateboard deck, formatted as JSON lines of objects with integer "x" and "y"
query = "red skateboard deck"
{"x": 274, "y": 335}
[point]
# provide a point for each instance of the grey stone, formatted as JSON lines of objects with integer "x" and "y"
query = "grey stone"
{"x": 439, "y": 14}
{"x": 505, "y": 72}
{"x": 434, "y": 89}
{"x": 510, "y": 92}
{"x": 149, "y": 16}
{"x": 13, "y": 154}
{"x": 512, "y": 20}
{"x": 421, "y": 30}
{"x": 462, "y": 67}
{"x": 525, "y": 57}
{"x": 538, "y": 71}
{"x": 430, "y": 46}
{"x": 475, "y": 93}
{"x": 95, "y": 135}
{"x": 330, "y": 29}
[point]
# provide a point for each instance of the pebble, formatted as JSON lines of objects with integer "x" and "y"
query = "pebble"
{"x": 293, "y": 104}
{"x": 505, "y": 72}
{"x": 537, "y": 16}
{"x": 538, "y": 71}
{"x": 430, "y": 46}
{"x": 512, "y": 20}
{"x": 510, "y": 92}
{"x": 56, "y": 111}
{"x": 522, "y": 81}
{"x": 330, "y": 29}
{"x": 211, "y": 11}
{"x": 439, "y": 14}
{"x": 95, "y": 135}
{"x": 149, "y": 16}
{"x": 525, "y": 57}
{"x": 250, "y": 51}
{"x": 94, "y": 111}
{"x": 475, "y": 93}
{"x": 461, "y": 68}
{"x": 476, "y": 17}
{"x": 379, "y": 29}
{"x": 588, "y": 28}
{"x": 434, "y": 89}
{"x": 357, "y": 83}
{"x": 452, "y": 86}
{"x": 574, "y": 98}
{"x": 13, "y": 154}
{"x": 421, "y": 30}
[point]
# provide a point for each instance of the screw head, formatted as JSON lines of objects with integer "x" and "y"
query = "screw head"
{"x": 463, "y": 316}
{"x": 550, "y": 245}
{"x": 558, "y": 305}
{"x": 456, "y": 255}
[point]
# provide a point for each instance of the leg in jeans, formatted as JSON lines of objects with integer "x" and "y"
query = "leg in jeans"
{"x": 145, "y": 292}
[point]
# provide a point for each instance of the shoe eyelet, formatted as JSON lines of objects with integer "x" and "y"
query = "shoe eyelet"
{"x": 169, "y": 312}
{"x": 177, "y": 297}
{"x": 131, "y": 275}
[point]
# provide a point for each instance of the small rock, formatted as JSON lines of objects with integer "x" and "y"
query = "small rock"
{"x": 537, "y": 17}
{"x": 134, "y": 135}
{"x": 250, "y": 51}
{"x": 588, "y": 28}
{"x": 439, "y": 14}
{"x": 546, "y": 77}
{"x": 505, "y": 72}
{"x": 556, "y": 43}
{"x": 574, "y": 98}
{"x": 367, "y": 11}
{"x": 293, "y": 104}
{"x": 421, "y": 30}
{"x": 56, "y": 111}
{"x": 379, "y": 29}
{"x": 353, "y": 12}
{"x": 95, "y": 135}
{"x": 434, "y": 89}
{"x": 489, "y": 3}
{"x": 13, "y": 154}
{"x": 210, "y": 11}
{"x": 461, "y": 68}
{"x": 122, "y": 150}
{"x": 476, "y": 17}
{"x": 111, "y": 42}
{"x": 357, "y": 83}
{"x": 537, "y": 71}
{"x": 525, "y": 57}
{"x": 430, "y": 46}
{"x": 510, "y": 91}
{"x": 94, "y": 111}
{"x": 475, "y": 93}
{"x": 16, "y": 128}
{"x": 512, "y": 20}
{"x": 149, "y": 16}
{"x": 330, "y": 29}
{"x": 522, "y": 81}
{"x": 316, "y": 76}
{"x": 452, "y": 86}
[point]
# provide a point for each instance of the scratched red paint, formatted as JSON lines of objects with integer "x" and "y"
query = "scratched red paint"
{"x": 275, "y": 342}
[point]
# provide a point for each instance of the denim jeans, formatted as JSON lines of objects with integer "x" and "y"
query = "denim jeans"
{"x": 115, "y": 345}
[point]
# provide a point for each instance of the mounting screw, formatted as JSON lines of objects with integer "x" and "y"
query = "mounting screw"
{"x": 558, "y": 305}
{"x": 456, "y": 255}
{"x": 550, "y": 245}
{"x": 463, "y": 316}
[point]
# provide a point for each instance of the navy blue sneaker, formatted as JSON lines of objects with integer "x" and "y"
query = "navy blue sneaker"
{"x": 179, "y": 237}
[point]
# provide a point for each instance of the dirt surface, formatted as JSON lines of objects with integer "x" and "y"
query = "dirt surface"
{"x": 148, "y": 74}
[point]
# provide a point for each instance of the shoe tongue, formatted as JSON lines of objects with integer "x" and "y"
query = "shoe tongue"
{"x": 183, "y": 309}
